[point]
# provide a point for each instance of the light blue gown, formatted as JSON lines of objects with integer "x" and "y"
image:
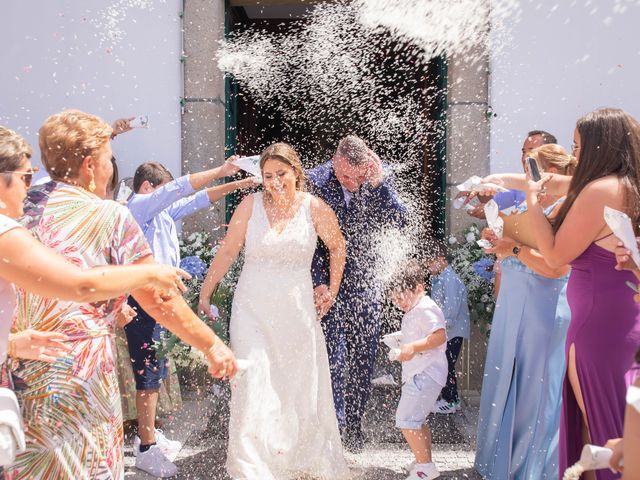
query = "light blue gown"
{"x": 518, "y": 426}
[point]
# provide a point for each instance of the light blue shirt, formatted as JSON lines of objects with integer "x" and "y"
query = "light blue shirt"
{"x": 450, "y": 294}
{"x": 512, "y": 198}
{"x": 157, "y": 212}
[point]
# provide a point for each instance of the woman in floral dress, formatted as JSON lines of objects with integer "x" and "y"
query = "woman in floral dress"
{"x": 71, "y": 407}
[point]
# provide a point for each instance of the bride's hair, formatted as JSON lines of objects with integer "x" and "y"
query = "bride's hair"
{"x": 285, "y": 153}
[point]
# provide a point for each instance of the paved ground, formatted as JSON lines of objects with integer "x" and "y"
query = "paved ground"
{"x": 200, "y": 426}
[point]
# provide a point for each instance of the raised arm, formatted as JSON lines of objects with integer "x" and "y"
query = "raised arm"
{"x": 554, "y": 184}
{"x": 199, "y": 180}
{"x": 532, "y": 258}
{"x": 205, "y": 198}
{"x": 172, "y": 312}
{"x": 145, "y": 206}
{"x": 227, "y": 253}
{"x": 583, "y": 224}
{"x": 328, "y": 228}
{"x": 32, "y": 266}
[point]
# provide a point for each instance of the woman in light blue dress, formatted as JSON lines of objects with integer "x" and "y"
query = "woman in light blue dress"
{"x": 518, "y": 425}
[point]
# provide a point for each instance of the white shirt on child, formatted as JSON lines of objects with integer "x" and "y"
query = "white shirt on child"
{"x": 419, "y": 322}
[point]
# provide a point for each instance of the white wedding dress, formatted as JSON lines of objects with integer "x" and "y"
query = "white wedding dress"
{"x": 283, "y": 423}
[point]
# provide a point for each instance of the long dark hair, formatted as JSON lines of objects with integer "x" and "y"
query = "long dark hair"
{"x": 609, "y": 145}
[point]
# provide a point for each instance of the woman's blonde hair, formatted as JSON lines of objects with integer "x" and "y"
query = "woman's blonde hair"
{"x": 285, "y": 153}
{"x": 553, "y": 155}
{"x": 68, "y": 137}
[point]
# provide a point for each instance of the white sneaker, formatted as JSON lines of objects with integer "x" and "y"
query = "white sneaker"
{"x": 445, "y": 408}
{"x": 423, "y": 471}
{"x": 409, "y": 466}
{"x": 169, "y": 447}
{"x": 155, "y": 463}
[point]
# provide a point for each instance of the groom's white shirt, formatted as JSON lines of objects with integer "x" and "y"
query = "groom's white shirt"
{"x": 347, "y": 195}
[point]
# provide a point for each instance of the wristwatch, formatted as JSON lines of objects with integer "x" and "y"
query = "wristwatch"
{"x": 516, "y": 250}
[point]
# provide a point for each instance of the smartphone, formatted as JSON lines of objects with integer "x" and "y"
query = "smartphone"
{"x": 534, "y": 169}
{"x": 141, "y": 121}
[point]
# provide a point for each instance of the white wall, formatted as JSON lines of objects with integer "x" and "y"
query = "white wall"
{"x": 112, "y": 58}
{"x": 564, "y": 59}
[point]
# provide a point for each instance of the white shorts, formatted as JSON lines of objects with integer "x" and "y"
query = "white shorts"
{"x": 418, "y": 397}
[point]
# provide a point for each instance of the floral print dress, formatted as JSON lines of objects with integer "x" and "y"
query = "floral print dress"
{"x": 71, "y": 407}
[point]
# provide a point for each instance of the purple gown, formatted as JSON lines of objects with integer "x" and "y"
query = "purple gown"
{"x": 605, "y": 329}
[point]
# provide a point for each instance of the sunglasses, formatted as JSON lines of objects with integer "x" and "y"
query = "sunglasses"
{"x": 27, "y": 175}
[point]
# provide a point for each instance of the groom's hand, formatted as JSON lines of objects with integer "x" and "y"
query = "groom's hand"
{"x": 375, "y": 172}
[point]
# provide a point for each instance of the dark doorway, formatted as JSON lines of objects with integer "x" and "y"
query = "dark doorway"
{"x": 252, "y": 126}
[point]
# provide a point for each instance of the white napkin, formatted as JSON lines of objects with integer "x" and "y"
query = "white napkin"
{"x": 12, "y": 439}
{"x": 474, "y": 184}
{"x": 393, "y": 340}
{"x": 250, "y": 165}
{"x": 633, "y": 397}
{"x": 458, "y": 203}
{"x": 592, "y": 458}
{"x": 124, "y": 192}
{"x": 492, "y": 213}
{"x": 384, "y": 380}
{"x": 482, "y": 243}
{"x": 595, "y": 458}
{"x": 620, "y": 225}
{"x": 243, "y": 364}
{"x": 393, "y": 354}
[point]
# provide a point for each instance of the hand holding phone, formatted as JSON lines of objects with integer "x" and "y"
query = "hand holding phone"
{"x": 141, "y": 121}
{"x": 534, "y": 169}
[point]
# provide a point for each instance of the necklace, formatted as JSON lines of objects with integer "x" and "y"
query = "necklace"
{"x": 74, "y": 183}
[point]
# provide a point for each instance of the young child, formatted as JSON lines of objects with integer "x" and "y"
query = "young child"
{"x": 424, "y": 365}
{"x": 450, "y": 294}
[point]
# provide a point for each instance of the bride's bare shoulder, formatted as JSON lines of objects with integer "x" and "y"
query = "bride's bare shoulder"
{"x": 315, "y": 202}
{"x": 319, "y": 206}
{"x": 246, "y": 206}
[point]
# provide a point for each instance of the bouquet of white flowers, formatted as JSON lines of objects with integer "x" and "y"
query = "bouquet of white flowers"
{"x": 196, "y": 252}
{"x": 475, "y": 269}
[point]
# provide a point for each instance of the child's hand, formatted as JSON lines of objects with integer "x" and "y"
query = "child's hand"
{"x": 407, "y": 352}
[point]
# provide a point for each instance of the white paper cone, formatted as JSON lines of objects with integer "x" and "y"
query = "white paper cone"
{"x": 492, "y": 213}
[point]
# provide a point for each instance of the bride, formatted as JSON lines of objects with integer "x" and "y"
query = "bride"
{"x": 283, "y": 422}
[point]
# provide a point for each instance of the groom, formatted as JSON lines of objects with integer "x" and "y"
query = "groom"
{"x": 353, "y": 183}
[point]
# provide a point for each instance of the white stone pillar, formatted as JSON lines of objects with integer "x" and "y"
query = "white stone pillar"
{"x": 467, "y": 154}
{"x": 203, "y": 118}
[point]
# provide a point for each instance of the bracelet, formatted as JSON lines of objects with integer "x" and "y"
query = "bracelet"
{"x": 11, "y": 349}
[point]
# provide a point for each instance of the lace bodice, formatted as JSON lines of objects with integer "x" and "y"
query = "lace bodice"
{"x": 291, "y": 249}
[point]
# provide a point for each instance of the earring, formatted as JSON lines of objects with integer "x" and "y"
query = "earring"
{"x": 92, "y": 185}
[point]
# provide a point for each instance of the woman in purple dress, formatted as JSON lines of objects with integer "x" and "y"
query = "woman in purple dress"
{"x": 604, "y": 332}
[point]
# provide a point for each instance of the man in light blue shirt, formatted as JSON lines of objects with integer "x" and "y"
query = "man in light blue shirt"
{"x": 450, "y": 294}
{"x": 158, "y": 202}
